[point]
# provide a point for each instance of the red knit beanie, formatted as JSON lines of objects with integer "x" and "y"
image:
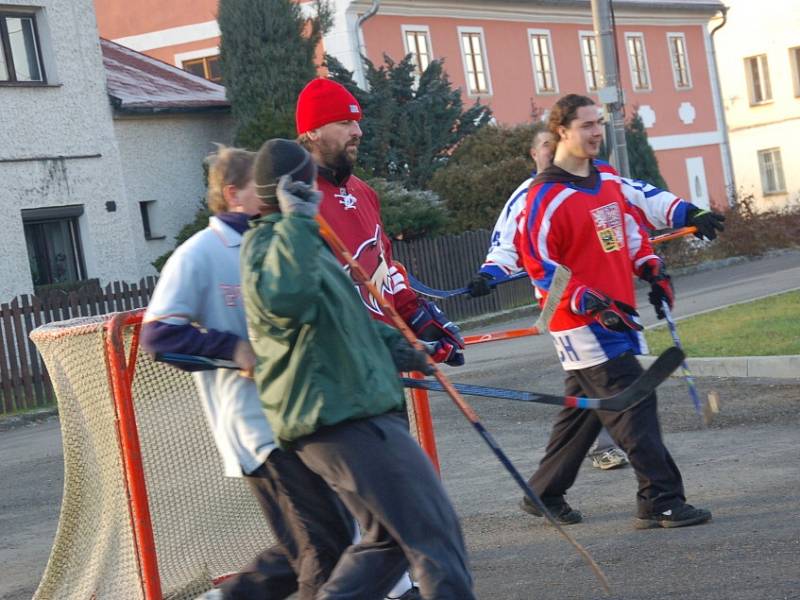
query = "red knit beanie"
{"x": 323, "y": 101}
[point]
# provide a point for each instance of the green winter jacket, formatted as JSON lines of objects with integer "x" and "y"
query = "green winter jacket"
{"x": 321, "y": 358}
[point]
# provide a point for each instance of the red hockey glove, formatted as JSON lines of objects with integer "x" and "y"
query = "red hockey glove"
{"x": 654, "y": 273}
{"x": 431, "y": 325}
{"x": 707, "y": 222}
{"x": 611, "y": 314}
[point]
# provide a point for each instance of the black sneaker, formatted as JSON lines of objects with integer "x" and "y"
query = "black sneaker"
{"x": 681, "y": 516}
{"x": 563, "y": 513}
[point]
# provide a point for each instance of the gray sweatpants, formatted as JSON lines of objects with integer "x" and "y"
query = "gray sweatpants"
{"x": 390, "y": 486}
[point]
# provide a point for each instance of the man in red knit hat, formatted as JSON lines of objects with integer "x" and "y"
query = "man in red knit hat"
{"x": 327, "y": 124}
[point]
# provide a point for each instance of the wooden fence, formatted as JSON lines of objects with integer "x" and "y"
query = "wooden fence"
{"x": 444, "y": 263}
{"x": 24, "y": 383}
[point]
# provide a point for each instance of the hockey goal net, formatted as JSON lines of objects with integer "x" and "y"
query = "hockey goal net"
{"x": 146, "y": 511}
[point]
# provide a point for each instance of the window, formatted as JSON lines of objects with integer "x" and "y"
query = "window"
{"x": 680, "y": 61}
{"x": 418, "y": 44}
{"x": 473, "y": 53}
{"x": 757, "y": 72}
{"x": 771, "y": 167}
{"x": 591, "y": 64}
{"x": 146, "y": 209}
{"x": 53, "y": 239}
{"x": 20, "y": 55}
{"x": 637, "y": 59}
{"x": 206, "y": 66}
{"x": 794, "y": 58}
{"x": 544, "y": 68}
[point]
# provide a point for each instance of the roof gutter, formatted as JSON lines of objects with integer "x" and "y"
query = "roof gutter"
{"x": 362, "y": 48}
{"x": 725, "y": 146}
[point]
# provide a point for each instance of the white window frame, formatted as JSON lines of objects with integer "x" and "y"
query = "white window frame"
{"x": 765, "y": 81}
{"x": 638, "y": 35}
{"x": 180, "y": 57}
{"x": 794, "y": 60}
{"x": 424, "y": 29}
{"x": 780, "y": 180}
{"x": 486, "y": 72}
{"x": 586, "y": 73}
{"x": 552, "y": 59}
{"x": 682, "y": 36}
{"x": 23, "y": 13}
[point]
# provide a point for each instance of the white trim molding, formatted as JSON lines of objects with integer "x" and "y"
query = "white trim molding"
{"x": 679, "y": 34}
{"x": 171, "y": 37}
{"x": 685, "y": 140}
{"x": 629, "y": 35}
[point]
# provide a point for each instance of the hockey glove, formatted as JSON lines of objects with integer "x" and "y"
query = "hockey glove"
{"x": 297, "y": 197}
{"x": 431, "y": 325}
{"x": 611, "y": 314}
{"x": 479, "y": 285}
{"x": 654, "y": 273}
{"x": 707, "y": 222}
{"x": 407, "y": 358}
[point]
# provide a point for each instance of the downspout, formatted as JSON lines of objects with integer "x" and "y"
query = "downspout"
{"x": 362, "y": 48}
{"x": 727, "y": 161}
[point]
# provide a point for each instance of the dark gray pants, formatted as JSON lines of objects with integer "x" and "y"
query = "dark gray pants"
{"x": 310, "y": 523}
{"x": 390, "y": 486}
{"x": 635, "y": 430}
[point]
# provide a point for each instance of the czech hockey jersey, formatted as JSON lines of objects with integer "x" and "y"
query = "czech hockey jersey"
{"x": 352, "y": 209}
{"x": 598, "y": 236}
{"x": 657, "y": 208}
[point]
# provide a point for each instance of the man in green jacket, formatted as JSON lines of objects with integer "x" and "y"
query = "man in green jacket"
{"x": 327, "y": 378}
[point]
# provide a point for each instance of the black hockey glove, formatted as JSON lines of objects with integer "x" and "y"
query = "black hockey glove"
{"x": 611, "y": 314}
{"x": 479, "y": 285}
{"x": 407, "y": 358}
{"x": 432, "y": 325}
{"x": 707, "y": 222}
{"x": 654, "y": 273}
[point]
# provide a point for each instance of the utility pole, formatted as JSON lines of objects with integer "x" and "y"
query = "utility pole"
{"x": 610, "y": 91}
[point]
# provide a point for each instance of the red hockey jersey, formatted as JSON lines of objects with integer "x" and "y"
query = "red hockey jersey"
{"x": 597, "y": 235}
{"x": 353, "y": 211}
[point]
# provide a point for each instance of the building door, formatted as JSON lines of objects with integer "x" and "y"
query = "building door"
{"x": 698, "y": 188}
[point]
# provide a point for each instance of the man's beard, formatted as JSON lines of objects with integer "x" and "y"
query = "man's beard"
{"x": 340, "y": 162}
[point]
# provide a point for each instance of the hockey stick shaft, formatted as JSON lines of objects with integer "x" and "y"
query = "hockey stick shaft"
{"x": 687, "y": 374}
{"x": 340, "y": 249}
{"x": 673, "y": 235}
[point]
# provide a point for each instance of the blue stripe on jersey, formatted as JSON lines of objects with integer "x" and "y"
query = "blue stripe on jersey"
{"x": 614, "y": 343}
{"x": 680, "y": 214}
{"x": 523, "y": 194}
{"x": 549, "y": 269}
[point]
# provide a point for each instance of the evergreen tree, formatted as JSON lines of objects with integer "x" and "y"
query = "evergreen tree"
{"x": 266, "y": 57}
{"x": 641, "y": 158}
{"x": 409, "y": 130}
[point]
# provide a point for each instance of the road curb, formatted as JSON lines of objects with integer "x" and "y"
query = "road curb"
{"x": 27, "y": 418}
{"x": 770, "y": 367}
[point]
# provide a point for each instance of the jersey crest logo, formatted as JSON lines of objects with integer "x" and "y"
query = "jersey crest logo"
{"x": 608, "y": 224}
{"x": 231, "y": 293}
{"x": 370, "y": 255}
{"x": 346, "y": 199}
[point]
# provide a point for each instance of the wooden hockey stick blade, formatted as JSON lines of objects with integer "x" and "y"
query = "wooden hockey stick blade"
{"x": 500, "y": 335}
{"x": 557, "y": 287}
{"x": 644, "y": 385}
{"x": 672, "y": 235}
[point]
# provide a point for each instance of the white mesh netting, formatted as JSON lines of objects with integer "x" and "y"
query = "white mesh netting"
{"x": 204, "y": 524}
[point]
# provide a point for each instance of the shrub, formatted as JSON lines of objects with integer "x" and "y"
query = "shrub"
{"x": 409, "y": 214}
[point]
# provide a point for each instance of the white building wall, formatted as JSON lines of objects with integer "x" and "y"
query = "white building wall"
{"x": 162, "y": 161}
{"x": 69, "y": 118}
{"x": 771, "y": 27}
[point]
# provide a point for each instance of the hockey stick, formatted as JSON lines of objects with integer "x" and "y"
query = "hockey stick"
{"x": 644, "y": 385}
{"x": 421, "y": 288}
{"x": 663, "y": 366}
{"x": 340, "y": 249}
{"x": 687, "y": 374}
{"x": 672, "y": 235}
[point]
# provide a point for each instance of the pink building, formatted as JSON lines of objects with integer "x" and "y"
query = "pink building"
{"x": 512, "y": 55}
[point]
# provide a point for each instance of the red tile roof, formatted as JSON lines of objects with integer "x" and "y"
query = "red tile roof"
{"x": 138, "y": 83}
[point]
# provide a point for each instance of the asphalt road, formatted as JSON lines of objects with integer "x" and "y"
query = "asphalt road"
{"x": 745, "y": 469}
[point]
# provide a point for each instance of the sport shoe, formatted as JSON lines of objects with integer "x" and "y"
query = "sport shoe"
{"x": 563, "y": 513}
{"x": 610, "y": 459}
{"x": 411, "y": 593}
{"x": 682, "y": 516}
